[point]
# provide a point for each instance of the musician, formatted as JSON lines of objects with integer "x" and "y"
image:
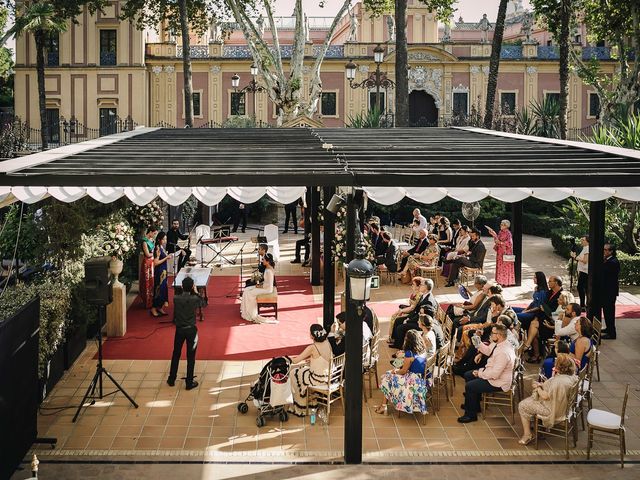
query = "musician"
{"x": 173, "y": 235}
{"x": 240, "y": 218}
{"x": 258, "y": 275}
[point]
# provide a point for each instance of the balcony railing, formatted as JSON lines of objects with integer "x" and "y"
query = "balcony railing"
{"x": 108, "y": 59}
{"x": 53, "y": 59}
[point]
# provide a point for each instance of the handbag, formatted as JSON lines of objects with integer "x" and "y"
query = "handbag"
{"x": 508, "y": 258}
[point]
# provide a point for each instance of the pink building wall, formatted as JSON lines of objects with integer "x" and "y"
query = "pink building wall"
{"x": 511, "y": 82}
{"x": 200, "y": 82}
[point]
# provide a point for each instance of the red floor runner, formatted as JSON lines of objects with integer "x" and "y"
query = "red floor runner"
{"x": 223, "y": 335}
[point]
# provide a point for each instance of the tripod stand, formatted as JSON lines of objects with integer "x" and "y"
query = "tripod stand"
{"x": 97, "y": 382}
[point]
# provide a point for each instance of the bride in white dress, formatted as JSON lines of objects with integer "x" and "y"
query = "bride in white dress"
{"x": 248, "y": 303}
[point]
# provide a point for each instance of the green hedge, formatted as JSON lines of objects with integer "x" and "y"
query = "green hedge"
{"x": 540, "y": 225}
{"x": 629, "y": 269}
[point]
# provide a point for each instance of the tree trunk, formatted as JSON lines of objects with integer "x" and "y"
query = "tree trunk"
{"x": 565, "y": 20}
{"x": 402, "y": 65}
{"x": 494, "y": 64}
{"x": 42, "y": 96}
{"x": 186, "y": 64}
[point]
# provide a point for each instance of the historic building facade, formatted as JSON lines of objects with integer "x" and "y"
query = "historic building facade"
{"x": 103, "y": 68}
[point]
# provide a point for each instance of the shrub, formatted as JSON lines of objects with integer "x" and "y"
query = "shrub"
{"x": 629, "y": 269}
{"x": 540, "y": 225}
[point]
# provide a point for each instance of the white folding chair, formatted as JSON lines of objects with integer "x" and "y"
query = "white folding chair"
{"x": 271, "y": 233}
{"x": 203, "y": 232}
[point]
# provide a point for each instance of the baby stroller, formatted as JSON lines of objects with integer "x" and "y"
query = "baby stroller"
{"x": 271, "y": 392}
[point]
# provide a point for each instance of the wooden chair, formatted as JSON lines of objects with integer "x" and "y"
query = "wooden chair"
{"x": 268, "y": 300}
{"x": 327, "y": 393}
{"x": 504, "y": 399}
{"x": 440, "y": 375}
{"x": 595, "y": 341}
{"x": 468, "y": 274}
{"x": 431, "y": 272}
{"x": 451, "y": 359}
{"x": 565, "y": 427}
{"x": 607, "y": 424}
{"x": 583, "y": 384}
{"x": 370, "y": 369}
{"x": 429, "y": 371}
{"x": 447, "y": 327}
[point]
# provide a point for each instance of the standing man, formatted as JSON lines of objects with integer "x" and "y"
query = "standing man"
{"x": 422, "y": 222}
{"x": 241, "y": 217}
{"x": 173, "y": 235}
{"x": 474, "y": 258}
{"x": 184, "y": 317}
{"x": 290, "y": 213}
{"x": 496, "y": 376}
{"x": 583, "y": 269}
{"x": 610, "y": 291}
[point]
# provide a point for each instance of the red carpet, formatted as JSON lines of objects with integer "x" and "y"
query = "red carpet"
{"x": 223, "y": 335}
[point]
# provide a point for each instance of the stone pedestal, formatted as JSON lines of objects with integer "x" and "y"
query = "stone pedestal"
{"x": 117, "y": 312}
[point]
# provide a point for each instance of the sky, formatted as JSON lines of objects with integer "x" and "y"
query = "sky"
{"x": 470, "y": 10}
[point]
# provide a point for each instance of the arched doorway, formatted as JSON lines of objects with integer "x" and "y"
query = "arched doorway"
{"x": 422, "y": 109}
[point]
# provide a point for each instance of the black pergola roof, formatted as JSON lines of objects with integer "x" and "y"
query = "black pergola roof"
{"x": 439, "y": 157}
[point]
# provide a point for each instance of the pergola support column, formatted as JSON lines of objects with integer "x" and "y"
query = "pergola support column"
{"x": 353, "y": 357}
{"x": 315, "y": 236}
{"x": 329, "y": 282}
{"x": 596, "y": 254}
{"x": 516, "y": 232}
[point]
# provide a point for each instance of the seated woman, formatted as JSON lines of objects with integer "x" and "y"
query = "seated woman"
{"x": 405, "y": 387}
{"x": 425, "y": 322}
{"x": 428, "y": 258}
{"x": 405, "y": 310}
{"x": 315, "y": 362}
{"x": 542, "y": 328}
{"x": 549, "y": 399}
{"x": 249, "y": 302}
{"x": 578, "y": 349}
{"x": 460, "y": 248}
{"x": 540, "y": 295}
{"x": 457, "y": 310}
{"x": 337, "y": 333}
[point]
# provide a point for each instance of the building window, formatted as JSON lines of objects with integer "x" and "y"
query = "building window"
{"x": 197, "y": 108}
{"x": 53, "y": 125}
{"x": 52, "y": 49}
{"x": 108, "y": 121}
{"x": 600, "y": 43}
{"x": 549, "y": 43}
{"x": 108, "y": 47}
{"x": 594, "y": 105}
{"x": 508, "y": 102}
{"x": 328, "y": 104}
{"x": 578, "y": 39}
{"x": 373, "y": 100}
{"x": 237, "y": 103}
{"x": 461, "y": 104}
{"x": 552, "y": 97}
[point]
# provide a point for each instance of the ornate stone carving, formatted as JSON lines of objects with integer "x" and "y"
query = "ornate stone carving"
{"x": 485, "y": 69}
{"x": 157, "y": 69}
{"x": 461, "y": 88}
{"x": 215, "y": 69}
{"x": 422, "y": 57}
{"x": 474, "y": 69}
{"x": 306, "y": 69}
{"x": 363, "y": 68}
{"x": 429, "y": 80}
{"x": 531, "y": 70}
{"x": 169, "y": 69}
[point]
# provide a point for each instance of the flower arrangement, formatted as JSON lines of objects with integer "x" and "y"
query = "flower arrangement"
{"x": 339, "y": 247}
{"x": 117, "y": 238}
{"x": 150, "y": 214}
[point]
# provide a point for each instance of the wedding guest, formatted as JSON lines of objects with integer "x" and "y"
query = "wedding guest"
{"x": 160, "y": 287}
{"x": 406, "y": 309}
{"x": 610, "y": 291}
{"x": 503, "y": 245}
{"x": 582, "y": 265}
{"x": 146, "y": 269}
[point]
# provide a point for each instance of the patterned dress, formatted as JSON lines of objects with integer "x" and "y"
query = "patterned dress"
{"x": 408, "y": 392}
{"x": 160, "y": 286}
{"x": 146, "y": 276}
{"x": 316, "y": 372}
{"x": 505, "y": 273}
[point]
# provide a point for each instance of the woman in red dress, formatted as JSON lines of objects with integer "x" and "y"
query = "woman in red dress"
{"x": 503, "y": 245}
{"x": 146, "y": 269}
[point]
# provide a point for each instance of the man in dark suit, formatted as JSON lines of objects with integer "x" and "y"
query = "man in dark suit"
{"x": 388, "y": 257}
{"x": 290, "y": 213}
{"x": 610, "y": 291}
{"x": 417, "y": 249}
{"x": 173, "y": 235}
{"x": 474, "y": 258}
{"x": 428, "y": 305}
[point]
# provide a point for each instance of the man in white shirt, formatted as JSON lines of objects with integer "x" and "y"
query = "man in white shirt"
{"x": 422, "y": 221}
{"x": 567, "y": 326}
{"x": 583, "y": 269}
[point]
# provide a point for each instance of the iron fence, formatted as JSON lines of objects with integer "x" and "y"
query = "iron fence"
{"x": 18, "y": 138}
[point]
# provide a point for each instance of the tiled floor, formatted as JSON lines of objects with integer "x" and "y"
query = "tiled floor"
{"x": 205, "y": 422}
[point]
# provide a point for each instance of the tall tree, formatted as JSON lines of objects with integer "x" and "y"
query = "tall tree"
{"x": 443, "y": 9}
{"x": 616, "y": 23}
{"x": 284, "y": 90}
{"x": 494, "y": 64}
{"x": 557, "y": 16}
{"x": 185, "y": 16}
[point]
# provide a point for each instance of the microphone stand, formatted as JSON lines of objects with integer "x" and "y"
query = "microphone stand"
{"x": 241, "y": 253}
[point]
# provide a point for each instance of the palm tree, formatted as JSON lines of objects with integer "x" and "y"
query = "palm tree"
{"x": 41, "y": 20}
{"x": 494, "y": 63}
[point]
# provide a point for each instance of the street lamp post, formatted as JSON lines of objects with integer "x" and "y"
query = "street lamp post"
{"x": 252, "y": 87}
{"x": 358, "y": 289}
{"x": 377, "y": 80}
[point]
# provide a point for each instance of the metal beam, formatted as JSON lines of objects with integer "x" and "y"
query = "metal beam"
{"x": 315, "y": 236}
{"x": 596, "y": 255}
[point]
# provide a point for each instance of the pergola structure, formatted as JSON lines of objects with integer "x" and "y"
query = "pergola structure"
{"x": 425, "y": 164}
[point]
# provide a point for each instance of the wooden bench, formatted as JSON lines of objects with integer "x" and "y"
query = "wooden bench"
{"x": 268, "y": 300}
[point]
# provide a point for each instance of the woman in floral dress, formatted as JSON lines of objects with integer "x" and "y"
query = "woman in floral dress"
{"x": 503, "y": 245}
{"x": 146, "y": 269}
{"x": 405, "y": 388}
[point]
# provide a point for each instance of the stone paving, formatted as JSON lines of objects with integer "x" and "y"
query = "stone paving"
{"x": 203, "y": 425}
